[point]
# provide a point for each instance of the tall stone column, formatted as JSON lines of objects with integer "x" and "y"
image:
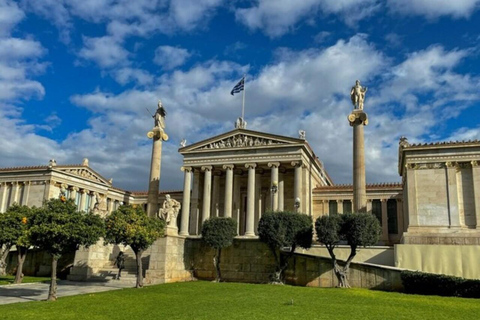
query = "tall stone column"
{"x": 26, "y": 193}
{"x": 357, "y": 120}
{"x": 258, "y": 199}
{"x": 228, "y": 190}
{"x": 186, "y": 201}
{"x": 83, "y": 199}
{"x": 236, "y": 197}
{"x": 476, "y": 189}
{"x": 297, "y": 184}
{"x": 3, "y": 196}
{"x": 274, "y": 184}
{"x": 73, "y": 193}
{"x": 207, "y": 190}
{"x": 195, "y": 202}
{"x": 281, "y": 191}
{"x": 16, "y": 189}
{"x": 250, "y": 224}
{"x": 158, "y": 135}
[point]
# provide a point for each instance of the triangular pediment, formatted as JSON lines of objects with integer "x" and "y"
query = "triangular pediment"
{"x": 84, "y": 172}
{"x": 241, "y": 138}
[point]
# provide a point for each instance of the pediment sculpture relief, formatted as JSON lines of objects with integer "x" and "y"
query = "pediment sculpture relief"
{"x": 241, "y": 141}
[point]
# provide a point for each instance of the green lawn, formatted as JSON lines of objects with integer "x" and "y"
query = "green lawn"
{"x": 206, "y": 300}
{"x": 9, "y": 279}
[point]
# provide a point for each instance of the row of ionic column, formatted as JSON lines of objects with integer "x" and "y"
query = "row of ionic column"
{"x": 10, "y": 196}
{"x": 277, "y": 196}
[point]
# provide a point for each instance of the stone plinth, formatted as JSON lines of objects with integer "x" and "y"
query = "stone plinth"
{"x": 357, "y": 120}
{"x": 168, "y": 262}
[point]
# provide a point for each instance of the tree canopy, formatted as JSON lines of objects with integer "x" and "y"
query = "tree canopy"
{"x": 356, "y": 229}
{"x": 129, "y": 225}
{"x": 58, "y": 228}
{"x": 285, "y": 229}
{"x": 219, "y": 233}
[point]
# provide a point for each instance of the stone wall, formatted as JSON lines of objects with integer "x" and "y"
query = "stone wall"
{"x": 249, "y": 260}
{"x": 310, "y": 271}
{"x": 39, "y": 263}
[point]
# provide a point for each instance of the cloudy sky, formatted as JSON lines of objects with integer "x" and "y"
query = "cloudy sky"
{"x": 76, "y": 78}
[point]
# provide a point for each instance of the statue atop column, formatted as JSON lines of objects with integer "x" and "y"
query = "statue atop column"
{"x": 169, "y": 211}
{"x": 357, "y": 94}
{"x": 159, "y": 125}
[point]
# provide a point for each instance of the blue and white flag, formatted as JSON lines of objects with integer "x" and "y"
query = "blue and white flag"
{"x": 240, "y": 86}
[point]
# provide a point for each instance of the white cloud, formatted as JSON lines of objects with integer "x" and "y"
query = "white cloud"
{"x": 138, "y": 76}
{"x": 435, "y": 8}
{"x": 105, "y": 51}
{"x": 10, "y": 15}
{"x": 276, "y": 18}
{"x": 170, "y": 57}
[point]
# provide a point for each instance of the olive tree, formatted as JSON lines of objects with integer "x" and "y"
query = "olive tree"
{"x": 58, "y": 228}
{"x": 281, "y": 230}
{"x": 130, "y": 226}
{"x": 356, "y": 229}
{"x": 218, "y": 233}
{"x": 14, "y": 231}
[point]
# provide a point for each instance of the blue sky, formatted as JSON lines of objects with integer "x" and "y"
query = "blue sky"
{"x": 76, "y": 78}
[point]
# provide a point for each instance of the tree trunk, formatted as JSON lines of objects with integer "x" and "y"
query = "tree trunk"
{"x": 52, "y": 293}
{"x": 339, "y": 272}
{"x": 4, "y": 250}
{"x": 138, "y": 256}
{"x": 21, "y": 254}
{"x": 216, "y": 263}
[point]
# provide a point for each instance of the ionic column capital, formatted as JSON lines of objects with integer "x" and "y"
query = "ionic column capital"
{"x": 274, "y": 164}
{"x": 450, "y": 164}
{"x": 186, "y": 169}
{"x": 207, "y": 168}
{"x": 475, "y": 163}
{"x": 74, "y": 189}
{"x": 250, "y": 165}
{"x": 228, "y": 166}
{"x": 383, "y": 200}
{"x": 296, "y": 164}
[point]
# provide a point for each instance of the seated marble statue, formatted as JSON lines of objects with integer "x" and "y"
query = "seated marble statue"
{"x": 169, "y": 211}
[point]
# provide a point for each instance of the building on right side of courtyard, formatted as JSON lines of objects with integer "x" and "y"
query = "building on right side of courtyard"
{"x": 441, "y": 196}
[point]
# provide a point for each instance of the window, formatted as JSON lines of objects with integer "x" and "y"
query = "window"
{"x": 347, "y": 206}
{"x": 392, "y": 216}
{"x": 377, "y": 210}
{"x": 332, "y": 207}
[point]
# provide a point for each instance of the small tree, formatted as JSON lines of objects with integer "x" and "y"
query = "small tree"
{"x": 285, "y": 229}
{"x": 14, "y": 231}
{"x": 357, "y": 229}
{"x": 132, "y": 227}
{"x": 59, "y": 228}
{"x": 218, "y": 233}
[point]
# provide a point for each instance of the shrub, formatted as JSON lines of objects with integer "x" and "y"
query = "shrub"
{"x": 438, "y": 284}
{"x": 285, "y": 229}
{"x": 218, "y": 233}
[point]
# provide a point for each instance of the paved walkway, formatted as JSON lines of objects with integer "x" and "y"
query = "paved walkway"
{"x": 24, "y": 292}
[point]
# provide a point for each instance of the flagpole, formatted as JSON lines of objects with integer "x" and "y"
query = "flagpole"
{"x": 243, "y": 102}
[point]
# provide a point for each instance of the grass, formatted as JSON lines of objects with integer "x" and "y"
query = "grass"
{"x": 206, "y": 300}
{"x": 9, "y": 279}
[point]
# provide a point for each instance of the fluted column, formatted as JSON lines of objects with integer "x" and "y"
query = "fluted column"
{"x": 281, "y": 191}
{"x": 340, "y": 206}
{"x": 26, "y": 193}
{"x": 228, "y": 190}
{"x": 258, "y": 199}
{"x": 476, "y": 190}
{"x": 83, "y": 198}
{"x": 274, "y": 183}
{"x": 186, "y": 201}
{"x": 207, "y": 190}
{"x": 452, "y": 187}
{"x": 16, "y": 188}
{"x": 215, "y": 208}
{"x": 297, "y": 184}
{"x": 73, "y": 193}
{"x": 250, "y": 224}
{"x": 236, "y": 198}
{"x": 3, "y": 197}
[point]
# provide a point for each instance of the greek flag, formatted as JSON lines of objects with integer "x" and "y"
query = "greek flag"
{"x": 238, "y": 87}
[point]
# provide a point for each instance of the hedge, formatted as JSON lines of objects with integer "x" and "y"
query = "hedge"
{"x": 439, "y": 284}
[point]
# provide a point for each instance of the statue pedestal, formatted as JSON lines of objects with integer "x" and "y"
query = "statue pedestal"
{"x": 171, "y": 231}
